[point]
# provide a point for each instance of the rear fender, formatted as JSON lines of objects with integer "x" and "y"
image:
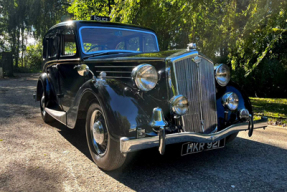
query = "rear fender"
{"x": 45, "y": 85}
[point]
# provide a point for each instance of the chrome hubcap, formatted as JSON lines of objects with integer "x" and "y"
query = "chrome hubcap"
{"x": 98, "y": 133}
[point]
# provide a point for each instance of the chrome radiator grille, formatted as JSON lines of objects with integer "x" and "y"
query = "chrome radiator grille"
{"x": 196, "y": 82}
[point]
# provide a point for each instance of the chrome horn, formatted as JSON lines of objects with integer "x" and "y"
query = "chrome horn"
{"x": 158, "y": 124}
{"x": 84, "y": 70}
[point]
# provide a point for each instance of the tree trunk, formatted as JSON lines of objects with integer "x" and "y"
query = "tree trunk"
{"x": 22, "y": 34}
{"x": 13, "y": 48}
{"x": 17, "y": 49}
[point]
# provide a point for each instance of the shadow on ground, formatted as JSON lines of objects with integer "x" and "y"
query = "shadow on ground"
{"x": 238, "y": 164}
{"x": 32, "y": 178}
{"x": 75, "y": 136}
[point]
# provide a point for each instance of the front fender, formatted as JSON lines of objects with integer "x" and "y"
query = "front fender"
{"x": 244, "y": 102}
{"x": 122, "y": 110}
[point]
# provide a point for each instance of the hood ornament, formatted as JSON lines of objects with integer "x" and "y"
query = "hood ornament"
{"x": 191, "y": 46}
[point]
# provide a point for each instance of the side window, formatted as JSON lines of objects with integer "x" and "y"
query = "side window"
{"x": 53, "y": 43}
{"x": 68, "y": 43}
{"x": 45, "y": 48}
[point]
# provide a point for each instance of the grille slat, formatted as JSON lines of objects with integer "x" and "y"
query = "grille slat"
{"x": 196, "y": 82}
{"x": 115, "y": 71}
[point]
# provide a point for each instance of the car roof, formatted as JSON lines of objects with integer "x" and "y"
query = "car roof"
{"x": 90, "y": 23}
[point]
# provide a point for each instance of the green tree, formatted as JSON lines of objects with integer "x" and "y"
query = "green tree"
{"x": 32, "y": 58}
{"x": 20, "y": 19}
{"x": 84, "y": 9}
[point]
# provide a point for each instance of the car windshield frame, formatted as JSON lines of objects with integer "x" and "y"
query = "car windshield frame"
{"x": 112, "y": 50}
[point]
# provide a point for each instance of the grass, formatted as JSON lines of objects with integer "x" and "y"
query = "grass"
{"x": 274, "y": 109}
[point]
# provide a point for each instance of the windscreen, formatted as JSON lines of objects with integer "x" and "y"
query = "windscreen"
{"x": 97, "y": 39}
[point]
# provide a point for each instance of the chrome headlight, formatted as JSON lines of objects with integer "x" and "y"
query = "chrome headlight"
{"x": 230, "y": 100}
{"x": 145, "y": 77}
{"x": 179, "y": 104}
{"x": 222, "y": 74}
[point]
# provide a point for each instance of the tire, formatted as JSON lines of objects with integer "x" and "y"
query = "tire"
{"x": 104, "y": 150}
{"x": 45, "y": 116}
{"x": 231, "y": 137}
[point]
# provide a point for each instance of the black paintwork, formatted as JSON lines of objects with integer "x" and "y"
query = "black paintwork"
{"x": 126, "y": 107}
{"x": 244, "y": 102}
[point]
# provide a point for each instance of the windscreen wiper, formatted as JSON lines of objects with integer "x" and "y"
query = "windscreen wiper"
{"x": 108, "y": 53}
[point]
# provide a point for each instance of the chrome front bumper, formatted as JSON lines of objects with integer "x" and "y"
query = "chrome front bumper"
{"x": 130, "y": 145}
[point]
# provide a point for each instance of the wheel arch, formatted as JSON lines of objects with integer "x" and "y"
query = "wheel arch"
{"x": 39, "y": 90}
{"x": 87, "y": 98}
{"x": 43, "y": 84}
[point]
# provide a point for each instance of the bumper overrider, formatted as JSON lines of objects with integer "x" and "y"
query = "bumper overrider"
{"x": 130, "y": 145}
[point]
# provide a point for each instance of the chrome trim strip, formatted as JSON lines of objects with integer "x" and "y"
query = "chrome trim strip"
{"x": 77, "y": 59}
{"x": 51, "y": 61}
{"x": 200, "y": 93}
{"x": 138, "y": 60}
{"x": 206, "y": 59}
{"x": 115, "y": 71}
{"x": 61, "y": 60}
{"x": 117, "y": 77}
{"x": 95, "y": 27}
{"x": 115, "y": 66}
{"x": 58, "y": 61}
{"x": 185, "y": 55}
{"x": 130, "y": 145}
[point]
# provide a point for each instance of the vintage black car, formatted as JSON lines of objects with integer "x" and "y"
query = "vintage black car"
{"x": 133, "y": 96}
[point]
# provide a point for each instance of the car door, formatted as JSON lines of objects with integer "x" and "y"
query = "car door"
{"x": 51, "y": 48}
{"x": 69, "y": 79}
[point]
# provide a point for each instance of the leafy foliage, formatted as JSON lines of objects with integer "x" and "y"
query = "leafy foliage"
{"x": 84, "y": 9}
{"x": 32, "y": 59}
{"x": 249, "y": 35}
{"x": 21, "y": 19}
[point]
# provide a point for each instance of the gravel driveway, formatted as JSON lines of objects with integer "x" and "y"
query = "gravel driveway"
{"x": 35, "y": 156}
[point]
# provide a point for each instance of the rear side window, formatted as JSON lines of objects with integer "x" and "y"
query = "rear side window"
{"x": 52, "y": 43}
{"x": 68, "y": 43}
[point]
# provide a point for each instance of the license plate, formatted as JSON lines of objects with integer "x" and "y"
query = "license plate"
{"x": 189, "y": 148}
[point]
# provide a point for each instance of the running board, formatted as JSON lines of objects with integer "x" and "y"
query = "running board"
{"x": 60, "y": 116}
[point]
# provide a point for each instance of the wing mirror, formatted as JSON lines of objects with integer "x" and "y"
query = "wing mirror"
{"x": 83, "y": 70}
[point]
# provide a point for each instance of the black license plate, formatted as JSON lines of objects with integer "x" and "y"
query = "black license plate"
{"x": 189, "y": 148}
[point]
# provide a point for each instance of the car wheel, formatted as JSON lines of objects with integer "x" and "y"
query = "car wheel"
{"x": 104, "y": 150}
{"x": 45, "y": 116}
{"x": 231, "y": 137}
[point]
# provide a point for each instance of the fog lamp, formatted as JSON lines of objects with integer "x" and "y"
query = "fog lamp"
{"x": 230, "y": 100}
{"x": 140, "y": 133}
{"x": 179, "y": 104}
{"x": 244, "y": 114}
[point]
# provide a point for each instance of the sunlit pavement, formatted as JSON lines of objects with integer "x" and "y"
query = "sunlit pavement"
{"x": 38, "y": 157}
